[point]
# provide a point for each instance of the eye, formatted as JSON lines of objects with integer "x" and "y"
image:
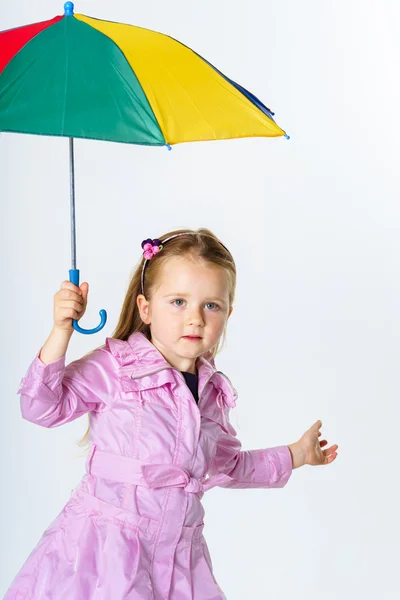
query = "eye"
{"x": 178, "y": 300}
{"x": 212, "y": 306}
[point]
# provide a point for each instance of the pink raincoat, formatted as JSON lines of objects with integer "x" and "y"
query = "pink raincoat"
{"x": 133, "y": 527}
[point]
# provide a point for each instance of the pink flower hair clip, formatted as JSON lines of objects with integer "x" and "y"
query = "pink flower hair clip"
{"x": 151, "y": 248}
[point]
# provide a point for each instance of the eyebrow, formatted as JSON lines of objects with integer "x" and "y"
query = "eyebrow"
{"x": 180, "y": 295}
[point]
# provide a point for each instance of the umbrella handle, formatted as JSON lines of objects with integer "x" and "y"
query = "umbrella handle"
{"x": 74, "y": 278}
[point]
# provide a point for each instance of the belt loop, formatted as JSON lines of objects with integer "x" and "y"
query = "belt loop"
{"x": 89, "y": 458}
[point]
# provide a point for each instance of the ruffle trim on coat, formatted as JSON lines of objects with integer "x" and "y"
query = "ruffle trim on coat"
{"x": 128, "y": 359}
{"x": 121, "y": 350}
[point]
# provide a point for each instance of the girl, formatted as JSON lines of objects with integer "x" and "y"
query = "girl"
{"x": 159, "y": 434}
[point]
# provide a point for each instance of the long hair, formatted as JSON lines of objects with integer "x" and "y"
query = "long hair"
{"x": 201, "y": 244}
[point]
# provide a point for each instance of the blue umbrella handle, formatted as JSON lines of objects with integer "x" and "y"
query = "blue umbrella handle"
{"x": 74, "y": 278}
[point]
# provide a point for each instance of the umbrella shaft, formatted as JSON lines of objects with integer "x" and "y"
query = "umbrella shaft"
{"x": 72, "y": 201}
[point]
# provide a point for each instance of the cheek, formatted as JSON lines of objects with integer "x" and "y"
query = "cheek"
{"x": 166, "y": 320}
{"x": 216, "y": 322}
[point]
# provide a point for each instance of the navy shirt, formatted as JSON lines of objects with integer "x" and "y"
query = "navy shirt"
{"x": 192, "y": 383}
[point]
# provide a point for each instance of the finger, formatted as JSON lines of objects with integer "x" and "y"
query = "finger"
{"x": 69, "y": 313}
{"x": 68, "y": 285}
{"x": 330, "y": 450}
{"x": 84, "y": 287}
{"x": 78, "y": 306}
{"x": 70, "y": 295}
{"x": 317, "y": 425}
{"x": 330, "y": 458}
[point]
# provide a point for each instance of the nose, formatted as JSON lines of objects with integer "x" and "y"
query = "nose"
{"x": 195, "y": 317}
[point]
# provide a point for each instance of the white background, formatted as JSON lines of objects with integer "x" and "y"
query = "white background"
{"x": 314, "y": 226}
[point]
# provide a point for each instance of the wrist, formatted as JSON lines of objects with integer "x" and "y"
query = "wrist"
{"x": 60, "y": 332}
{"x": 297, "y": 453}
{"x": 55, "y": 346}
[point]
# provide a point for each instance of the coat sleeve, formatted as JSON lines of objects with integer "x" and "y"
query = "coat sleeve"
{"x": 54, "y": 394}
{"x": 263, "y": 468}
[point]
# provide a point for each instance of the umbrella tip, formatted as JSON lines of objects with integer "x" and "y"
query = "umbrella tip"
{"x": 168, "y": 146}
{"x": 68, "y": 9}
{"x": 287, "y": 136}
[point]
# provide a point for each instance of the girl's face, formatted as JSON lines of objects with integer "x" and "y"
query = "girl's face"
{"x": 188, "y": 310}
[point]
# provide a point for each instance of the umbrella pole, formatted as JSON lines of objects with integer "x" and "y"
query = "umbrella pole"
{"x": 74, "y": 272}
{"x": 72, "y": 201}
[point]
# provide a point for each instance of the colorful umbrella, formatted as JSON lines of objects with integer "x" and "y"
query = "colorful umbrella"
{"x": 80, "y": 77}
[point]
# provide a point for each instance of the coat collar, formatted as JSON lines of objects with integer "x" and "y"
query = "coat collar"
{"x": 139, "y": 358}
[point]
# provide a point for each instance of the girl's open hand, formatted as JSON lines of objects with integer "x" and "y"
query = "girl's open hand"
{"x": 308, "y": 450}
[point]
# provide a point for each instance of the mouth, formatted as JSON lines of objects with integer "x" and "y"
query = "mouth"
{"x": 192, "y": 338}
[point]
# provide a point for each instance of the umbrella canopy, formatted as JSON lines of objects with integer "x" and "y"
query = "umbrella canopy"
{"x": 77, "y": 76}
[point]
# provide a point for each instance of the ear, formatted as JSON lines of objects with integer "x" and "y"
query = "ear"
{"x": 144, "y": 309}
{"x": 230, "y": 311}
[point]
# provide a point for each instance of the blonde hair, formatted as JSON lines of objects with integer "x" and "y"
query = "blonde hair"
{"x": 200, "y": 244}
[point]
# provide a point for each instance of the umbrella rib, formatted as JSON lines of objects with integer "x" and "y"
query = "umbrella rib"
{"x": 66, "y": 80}
{"x": 143, "y": 107}
{"x": 177, "y": 83}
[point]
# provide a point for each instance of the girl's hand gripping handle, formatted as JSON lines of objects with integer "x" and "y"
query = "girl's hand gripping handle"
{"x": 74, "y": 278}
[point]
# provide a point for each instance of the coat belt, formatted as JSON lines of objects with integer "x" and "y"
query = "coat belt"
{"x": 152, "y": 475}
